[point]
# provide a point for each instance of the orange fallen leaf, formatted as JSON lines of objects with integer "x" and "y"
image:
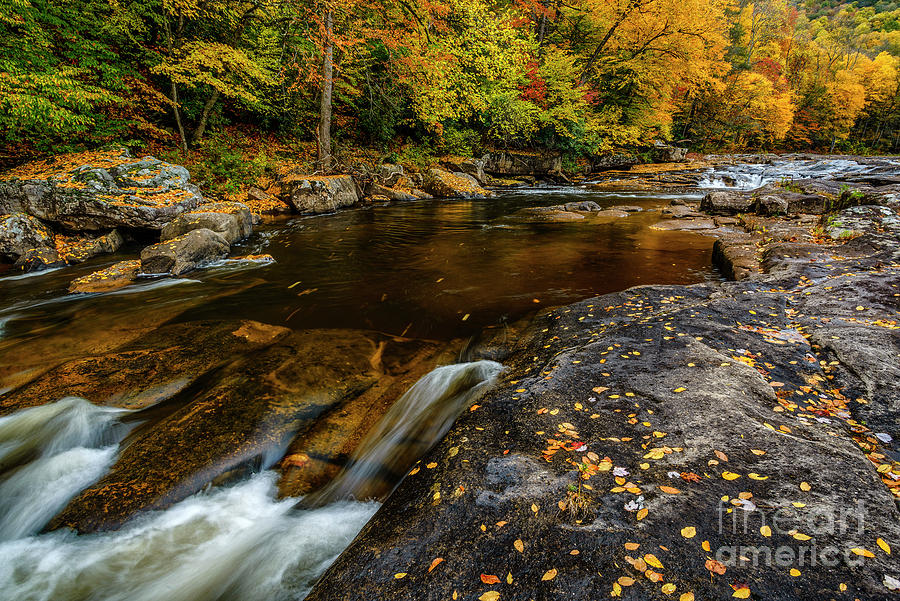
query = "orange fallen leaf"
{"x": 670, "y": 490}
{"x": 716, "y": 567}
{"x": 490, "y": 579}
{"x": 549, "y": 574}
{"x": 434, "y": 563}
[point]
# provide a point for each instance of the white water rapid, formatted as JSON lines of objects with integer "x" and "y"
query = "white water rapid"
{"x": 229, "y": 543}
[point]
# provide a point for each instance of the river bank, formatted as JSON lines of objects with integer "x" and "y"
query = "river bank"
{"x": 701, "y": 442}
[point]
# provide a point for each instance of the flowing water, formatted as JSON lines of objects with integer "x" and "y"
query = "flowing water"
{"x": 436, "y": 270}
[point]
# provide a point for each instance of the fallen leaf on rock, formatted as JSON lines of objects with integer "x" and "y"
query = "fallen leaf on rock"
{"x": 509, "y": 578}
{"x": 489, "y": 596}
{"x": 632, "y": 546}
{"x": 765, "y": 531}
{"x": 652, "y": 560}
{"x": 884, "y": 546}
{"x": 862, "y": 552}
{"x": 705, "y": 546}
{"x": 722, "y": 456}
{"x": 794, "y": 572}
{"x": 688, "y": 532}
{"x": 519, "y": 545}
{"x": 668, "y": 588}
{"x": 742, "y": 592}
{"x": 642, "y": 513}
{"x": 757, "y": 452}
{"x": 600, "y": 389}
{"x": 549, "y": 574}
{"x": 716, "y": 567}
{"x": 669, "y": 489}
{"x": 686, "y": 597}
{"x": 400, "y": 575}
{"x": 730, "y": 475}
{"x": 804, "y": 486}
{"x": 653, "y": 576}
{"x": 490, "y": 579}
{"x": 434, "y": 564}
{"x": 625, "y": 580}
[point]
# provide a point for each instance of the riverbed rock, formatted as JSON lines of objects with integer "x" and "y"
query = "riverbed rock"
{"x": 390, "y": 193}
{"x": 114, "y": 277}
{"x": 232, "y": 220}
{"x": 388, "y": 173}
{"x": 522, "y": 163}
{"x": 244, "y": 417}
{"x": 100, "y": 191}
{"x": 153, "y": 369}
{"x": 443, "y": 184}
{"x": 665, "y": 153}
{"x": 687, "y": 439}
{"x": 20, "y": 233}
{"x": 319, "y": 193}
{"x": 726, "y": 202}
{"x": 184, "y": 253}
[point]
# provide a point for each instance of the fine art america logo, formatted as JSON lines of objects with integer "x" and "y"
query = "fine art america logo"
{"x": 747, "y": 518}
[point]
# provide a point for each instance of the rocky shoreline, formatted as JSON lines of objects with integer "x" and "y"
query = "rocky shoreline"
{"x": 715, "y": 441}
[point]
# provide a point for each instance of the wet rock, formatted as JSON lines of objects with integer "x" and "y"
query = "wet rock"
{"x": 114, "y": 277}
{"x": 612, "y": 162}
{"x": 443, "y": 184}
{"x": 184, "y": 253}
{"x": 685, "y": 225}
{"x": 150, "y": 370}
{"x": 78, "y": 249}
{"x": 736, "y": 256}
{"x": 243, "y": 418}
{"x": 389, "y": 174}
{"x": 390, "y": 193}
{"x": 319, "y": 194}
{"x": 664, "y": 153}
{"x": 521, "y": 163}
{"x": 36, "y": 259}
{"x": 681, "y": 212}
{"x": 721, "y": 202}
{"x": 100, "y": 191}
{"x": 627, "y": 208}
{"x": 548, "y": 214}
{"x": 231, "y": 220}
{"x": 20, "y": 233}
{"x": 721, "y": 412}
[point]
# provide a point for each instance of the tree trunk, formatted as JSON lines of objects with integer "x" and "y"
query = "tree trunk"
{"x": 327, "y": 87}
{"x": 204, "y": 117}
{"x": 170, "y": 44}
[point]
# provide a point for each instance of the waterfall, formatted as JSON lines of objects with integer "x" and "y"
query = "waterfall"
{"x": 228, "y": 543}
{"x": 416, "y": 422}
{"x": 48, "y": 454}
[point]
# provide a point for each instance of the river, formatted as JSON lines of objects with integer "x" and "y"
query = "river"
{"x": 431, "y": 270}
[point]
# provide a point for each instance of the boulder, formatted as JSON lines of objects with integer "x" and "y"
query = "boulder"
{"x": 444, "y": 184}
{"x": 613, "y": 162}
{"x": 374, "y": 189}
{"x": 320, "y": 193}
{"x": 721, "y": 202}
{"x": 388, "y": 173}
{"x": 184, "y": 253}
{"x": 666, "y": 153}
{"x": 20, "y": 233}
{"x": 232, "y": 220}
{"x": 521, "y": 163}
{"x": 114, "y": 277}
{"x": 78, "y": 249}
{"x": 36, "y": 259}
{"x": 100, "y": 191}
{"x": 473, "y": 167}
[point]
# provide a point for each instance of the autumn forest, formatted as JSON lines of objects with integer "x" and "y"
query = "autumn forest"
{"x": 581, "y": 76}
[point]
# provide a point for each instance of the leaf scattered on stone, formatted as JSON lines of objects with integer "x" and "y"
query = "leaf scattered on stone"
{"x": 883, "y": 545}
{"x": 668, "y": 588}
{"x": 549, "y": 574}
{"x": 400, "y": 575}
{"x": 519, "y": 545}
{"x": 688, "y": 532}
{"x": 742, "y": 592}
{"x": 862, "y": 552}
{"x": 435, "y": 563}
{"x": 490, "y": 579}
{"x": 489, "y": 596}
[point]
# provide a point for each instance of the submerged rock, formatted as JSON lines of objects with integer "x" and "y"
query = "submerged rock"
{"x": 184, "y": 253}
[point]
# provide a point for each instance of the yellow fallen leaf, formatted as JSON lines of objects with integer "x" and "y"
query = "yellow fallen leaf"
{"x": 705, "y": 546}
{"x": 686, "y": 597}
{"x": 884, "y": 546}
{"x": 757, "y": 452}
{"x": 668, "y": 588}
{"x": 549, "y": 574}
{"x": 651, "y": 560}
{"x": 631, "y": 546}
{"x": 489, "y": 596}
{"x": 801, "y": 536}
{"x": 400, "y": 575}
{"x": 804, "y": 486}
{"x": 431, "y": 465}
{"x": 509, "y": 578}
{"x": 755, "y": 476}
{"x": 625, "y": 581}
{"x": 766, "y": 531}
{"x": 616, "y": 590}
{"x": 680, "y": 389}
{"x": 519, "y": 545}
{"x": 862, "y": 552}
{"x": 534, "y": 507}
{"x": 730, "y": 475}
{"x": 741, "y": 593}
{"x": 688, "y": 532}
{"x": 642, "y": 513}
{"x": 794, "y": 572}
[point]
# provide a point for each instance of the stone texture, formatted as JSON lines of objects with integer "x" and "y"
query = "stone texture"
{"x": 232, "y": 220}
{"x": 443, "y": 184}
{"x": 319, "y": 194}
{"x": 520, "y": 163}
{"x": 111, "y": 190}
{"x": 184, "y": 253}
{"x": 114, "y": 277}
{"x": 20, "y": 233}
